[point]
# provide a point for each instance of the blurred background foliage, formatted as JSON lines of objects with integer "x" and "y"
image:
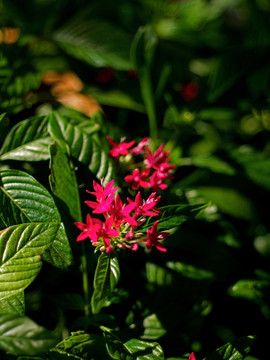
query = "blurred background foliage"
{"x": 193, "y": 74}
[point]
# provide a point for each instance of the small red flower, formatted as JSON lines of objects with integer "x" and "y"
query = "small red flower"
{"x": 155, "y": 160}
{"x": 192, "y": 356}
{"x": 153, "y": 238}
{"x": 104, "y": 197}
{"x": 189, "y": 91}
{"x": 90, "y": 229}
{"x": 121, "y": 212}
{"x": 138, "y": 178}
{"x": 141, "y": 147}
{"x": 156, "y": 182}
{"x": 145, "y": 208}
{"x": 119, "y": 149}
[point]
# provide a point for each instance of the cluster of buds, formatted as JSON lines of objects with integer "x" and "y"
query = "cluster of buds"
{"x": 155, "y": 169}
{"x": 119, "y": 230}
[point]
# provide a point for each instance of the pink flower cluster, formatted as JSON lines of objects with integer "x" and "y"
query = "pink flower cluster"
{"x": 119, "y": 229}
{"x": 155, "y": 170}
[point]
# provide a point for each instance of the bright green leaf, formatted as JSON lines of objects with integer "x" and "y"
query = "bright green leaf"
{"x": 235, "y": 350}
{"x": 13, "y": 304}
{"x": 83, "y": 144}
{"x": 106, "y": 278}
{"x": 153, "y": 328}
{"x": 20, "y": 250}
{"x": 23, "y": 199}
{"x": 27, "y": 141}
{"x": 253, "y": 290}
{"x": 80, "y": 346}
{"x": 133, "y": 349}
{"x": 22, "y": 336}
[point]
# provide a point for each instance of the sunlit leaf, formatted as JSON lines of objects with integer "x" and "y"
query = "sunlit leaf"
{"x": 132, "y": 349}
{"x": 158, "y": 275}
{"x": 153, "y": 328}
{"x": 22, "y": 336}
{"x": 80, "y": 346}
{"x": 13, "y": 304}
{"x": 23, "y": 199}
{"x": 83, "y": 144}
{"x": 27, "y": 141}
{"x": 20, "y": 250}
{"x": 236, "y": 350}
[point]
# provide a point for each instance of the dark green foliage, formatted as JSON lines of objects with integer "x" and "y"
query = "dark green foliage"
{"x": 193, "y": 75}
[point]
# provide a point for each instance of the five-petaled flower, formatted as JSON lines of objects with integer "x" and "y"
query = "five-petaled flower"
{"x": 119, "y": 149}
{"x": 119, "y": 230}
{"x": 152, "y": 172}
{"x": 154, "y": 237}
{"x": 138, "y": 178}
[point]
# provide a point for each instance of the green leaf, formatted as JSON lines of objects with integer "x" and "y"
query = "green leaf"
{"x": 213, "y": 163}
{"x": 83, "y": 144}
{"x": 174, "y": 215}
{"x": 13, "y": 304}
{"x": 248, "y": 289}
{"x": 27, "y": 141}
{"x": 158, "y": 275}
{"x": 229, "y": 201}
{"x": 133, "y": 349}
{"x": 228, "y": 69}
{"x": 80, "y": 346}
{"x": 142, "y": 53}
{"x": 63, "y": 181}
{"x": 117, "y": 98}
{"x": 255, "y": 164}
{"x": 22, "y": 336}
{"x": 96, "y": 42}
{"x": 236, "y": 350}
{"x": 20, "y": 249}
{"x": 106, "y": 278}
{"x": 23, "y": 199}
{"x": 190, "y": 271}
{"x": 153, "y": 328}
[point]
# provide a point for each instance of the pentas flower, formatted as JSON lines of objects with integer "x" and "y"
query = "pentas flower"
{"x": 121, "y": 212}
{"x": 90, "y": 229}
{"x": 143, "y": 208}
{"x": 155, "y": 160}
{"x": 119, "y": 149}
{"x": 141, "y": 147}
{"x": 138, "y": 178}
{"x": 154, "y": 237}
{"x": 120, "y": 228}
{"x": 156, "y": 182}
{"x": 152, "y": 172}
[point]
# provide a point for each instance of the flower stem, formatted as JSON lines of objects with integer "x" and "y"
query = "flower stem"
{"x": 85, "y": 281}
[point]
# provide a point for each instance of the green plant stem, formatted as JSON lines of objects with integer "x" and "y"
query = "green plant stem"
{"x": 148, "y": 97}
{"x": 85, "y": 281}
